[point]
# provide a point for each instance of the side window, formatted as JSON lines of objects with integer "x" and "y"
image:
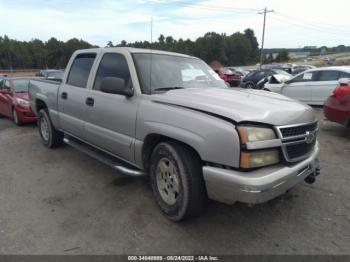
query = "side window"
{"x": 306, "y": 77}
{"x": 344, "y": 75}
{"x": 80, "y": 70}
{"x": 112, "y": 65}
{"x": 330, "y": 75}
{"x": 1, "y": 83}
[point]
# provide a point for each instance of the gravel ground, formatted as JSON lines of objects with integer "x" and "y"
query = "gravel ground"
{"x": 63, "y": 202}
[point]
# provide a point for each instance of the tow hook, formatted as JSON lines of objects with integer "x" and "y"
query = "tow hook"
{"x": 310, "y": 179}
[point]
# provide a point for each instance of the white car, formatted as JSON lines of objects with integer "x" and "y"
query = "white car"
{"x": 313, "y": 86}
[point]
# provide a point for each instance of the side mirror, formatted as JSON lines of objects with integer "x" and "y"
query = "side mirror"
{"x": 115, "y": 85}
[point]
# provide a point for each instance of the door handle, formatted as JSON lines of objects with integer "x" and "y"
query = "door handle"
{"x": 64, "y": 95}
{"x": 90, "y": 101}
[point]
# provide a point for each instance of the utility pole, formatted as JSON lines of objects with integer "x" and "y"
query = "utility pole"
{"x": 263, "y": 35}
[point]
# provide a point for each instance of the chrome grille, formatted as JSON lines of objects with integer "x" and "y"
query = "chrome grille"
{"x": 298, "y": 141}
{"x": 297, "y": 130}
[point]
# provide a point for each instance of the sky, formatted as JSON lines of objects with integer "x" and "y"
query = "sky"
{"x": 292, "y": 24}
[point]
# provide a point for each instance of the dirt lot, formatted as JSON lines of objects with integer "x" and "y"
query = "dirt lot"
{"x": 63, "y": 202}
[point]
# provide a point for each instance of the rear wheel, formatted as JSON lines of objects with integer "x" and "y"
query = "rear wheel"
{"x": 50, "y": 136}
{"x": 15, "y": 117}
{"x": 177, "y": 181}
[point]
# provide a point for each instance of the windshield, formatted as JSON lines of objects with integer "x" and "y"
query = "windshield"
{"x": 21, "y": 86}
{"x": 174, "y": 72}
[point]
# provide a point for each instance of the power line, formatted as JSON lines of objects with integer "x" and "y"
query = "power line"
{"x": 313, "y": 23}
{"x": 310, "y": 26}
{"x": 313, "y": 28}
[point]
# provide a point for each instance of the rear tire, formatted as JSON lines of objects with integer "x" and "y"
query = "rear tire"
{"x": 15, "y": 117}
{"x": 177, "y": 181}
{"x": 50, "y": 136}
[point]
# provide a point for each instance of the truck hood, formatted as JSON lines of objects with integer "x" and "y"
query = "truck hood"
{"x": 240, "y": 105}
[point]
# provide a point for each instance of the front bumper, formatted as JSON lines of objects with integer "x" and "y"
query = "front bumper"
{"x": 261, "y": 185}
{"x": 25, "y": 115}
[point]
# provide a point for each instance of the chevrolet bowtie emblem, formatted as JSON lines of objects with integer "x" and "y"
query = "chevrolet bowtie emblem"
{"x": 310, "y": 137}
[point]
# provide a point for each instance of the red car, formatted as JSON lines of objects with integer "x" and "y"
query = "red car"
{"x": 337, "y": 106}
{"x": 229, "y": 76}
{"x": 14, "y": 100}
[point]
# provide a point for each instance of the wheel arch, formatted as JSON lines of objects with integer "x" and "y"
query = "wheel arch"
{"x": 152, "y": 140}
{"x": 40, "y": 104}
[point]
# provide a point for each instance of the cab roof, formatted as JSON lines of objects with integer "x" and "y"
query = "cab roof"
{"x": 133, "y": 50}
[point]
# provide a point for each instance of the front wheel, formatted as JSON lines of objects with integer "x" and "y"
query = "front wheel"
{"x": 15, "y": 117}
{"x": 177, "y": 181}
{"x": 250, "y": 86}
{"x": 50, "y": 136}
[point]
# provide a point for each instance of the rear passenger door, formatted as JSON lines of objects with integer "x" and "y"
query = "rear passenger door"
{"x": 325, "y": 82}
{"x": 111, "y": 117}
{"x": 72, "y": 95}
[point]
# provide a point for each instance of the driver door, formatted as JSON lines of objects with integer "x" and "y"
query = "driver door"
{"x": 111, "y": 118}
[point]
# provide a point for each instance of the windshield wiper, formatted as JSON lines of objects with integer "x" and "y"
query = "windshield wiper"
{"x": 168, "y": 88}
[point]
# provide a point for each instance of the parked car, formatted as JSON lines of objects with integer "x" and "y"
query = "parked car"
{"x": 337, "y": 106}
{"x": 238, "y": 70}
{"x": 270, "y": 81}
{"x": 251, "y": 80}
{"x": 231, "y": 77}
{"x": 53, "y": 74}
{"x": 299, "y": 69}
{"x": 195, "y": 138}
{"x": 329, "y": 60}
{"x": 14, "y": 100}
{"x": 312, "y": 86}
{"x": 285, "y": 67}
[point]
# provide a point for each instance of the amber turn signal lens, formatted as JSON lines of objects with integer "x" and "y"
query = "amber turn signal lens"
{"x": 259, "y": 158}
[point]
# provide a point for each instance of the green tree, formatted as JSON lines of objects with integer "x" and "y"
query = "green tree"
{"x": 282, "y": 56}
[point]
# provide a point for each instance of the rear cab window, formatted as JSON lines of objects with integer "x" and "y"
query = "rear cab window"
{"x": 80, "y": 70}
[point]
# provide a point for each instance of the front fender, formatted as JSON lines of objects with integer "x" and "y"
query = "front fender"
{"x": 215, "y": 139}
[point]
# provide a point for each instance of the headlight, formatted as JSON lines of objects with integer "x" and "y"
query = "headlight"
{"x": 259, "y": 158}
{"x": 254, "y": 134}
{"x": 22, "y": 102}
{"x": 264, "y": 157}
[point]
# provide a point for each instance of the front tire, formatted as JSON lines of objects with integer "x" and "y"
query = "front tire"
{"x": 15, "y": 117}
{"x": 177, "y": 181}
{"x": 250, "y": 86}
{"x": 50, "y": 136}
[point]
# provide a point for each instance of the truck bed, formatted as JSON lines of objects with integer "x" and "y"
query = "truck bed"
{"x": 45, "y": 91}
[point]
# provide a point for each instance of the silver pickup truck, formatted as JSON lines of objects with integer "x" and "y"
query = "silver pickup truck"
{"x": 170, "y": 116}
